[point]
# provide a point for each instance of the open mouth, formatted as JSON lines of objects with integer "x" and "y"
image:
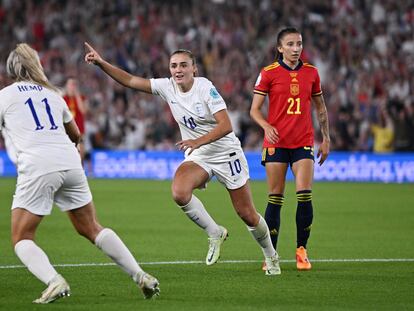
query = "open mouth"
{"x": 179, "y": 77}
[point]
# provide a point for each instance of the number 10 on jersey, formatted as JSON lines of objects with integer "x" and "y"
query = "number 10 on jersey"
{"x": 189, "y": 122}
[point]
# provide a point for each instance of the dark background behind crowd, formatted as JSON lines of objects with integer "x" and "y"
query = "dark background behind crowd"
{"x": 364, "y": 51}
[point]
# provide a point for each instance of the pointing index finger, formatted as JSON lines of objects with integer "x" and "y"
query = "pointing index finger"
{"x": 89, "y": 47}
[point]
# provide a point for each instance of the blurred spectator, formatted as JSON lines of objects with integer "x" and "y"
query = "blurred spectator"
{"x": 344, "y": 138}
{"x": 78, "y": 106}
{"x": 364, "y": 51}
{"x": 403, "y": 126}
{"x": 383, "y": 132}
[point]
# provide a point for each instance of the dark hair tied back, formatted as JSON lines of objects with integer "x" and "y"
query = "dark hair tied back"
{"x": 280, "y": 36}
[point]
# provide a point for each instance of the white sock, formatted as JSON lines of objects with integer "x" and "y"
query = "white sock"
{"x": 262, "y": 236}
{"x": 198, "y": 214}
{"x": 110, "y": 243}
{"x": 35, "y": 259}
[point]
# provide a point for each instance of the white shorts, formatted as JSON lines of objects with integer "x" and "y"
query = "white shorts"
{"x": 230, "y": 169}
{"x": 69, "y": 189}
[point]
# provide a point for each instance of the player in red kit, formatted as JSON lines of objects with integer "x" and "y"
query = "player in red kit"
{"x": 78, "y": 107}
{"x": 291, "y": 86}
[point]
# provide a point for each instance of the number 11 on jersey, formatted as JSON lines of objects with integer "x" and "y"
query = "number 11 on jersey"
{"x": 36, "y": 118}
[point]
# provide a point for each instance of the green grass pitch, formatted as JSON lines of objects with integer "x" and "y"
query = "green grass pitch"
{"x": 360, "y": 227}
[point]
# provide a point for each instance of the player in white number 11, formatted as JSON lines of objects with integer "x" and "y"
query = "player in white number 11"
{"x": 43, "y": 134}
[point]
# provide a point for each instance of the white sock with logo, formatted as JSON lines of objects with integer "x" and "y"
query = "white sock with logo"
{"x": 36, "y": 260}
{"x": 110, "y": 243}
{"x": 261, "y": 234}
{"x": 198, "y": 214}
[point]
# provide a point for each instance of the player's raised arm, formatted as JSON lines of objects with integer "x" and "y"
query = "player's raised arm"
{"x": 119, "y": 75}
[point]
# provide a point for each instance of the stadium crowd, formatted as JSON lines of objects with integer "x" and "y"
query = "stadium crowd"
{"x": 363, "y": 49}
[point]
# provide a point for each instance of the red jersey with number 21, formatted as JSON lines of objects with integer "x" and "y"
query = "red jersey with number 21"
{"x": 290, "y": 92}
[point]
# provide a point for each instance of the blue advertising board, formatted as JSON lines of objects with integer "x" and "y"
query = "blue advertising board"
{"x": 135, "y": 164}
{"x": 367, "y": 167}
{"x": 7, "y": 167}
{"x": 340, "y": 166}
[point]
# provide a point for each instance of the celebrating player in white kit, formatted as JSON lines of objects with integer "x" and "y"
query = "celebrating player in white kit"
{"x": 43, "y": 135}
{"x": 210, "y": 145}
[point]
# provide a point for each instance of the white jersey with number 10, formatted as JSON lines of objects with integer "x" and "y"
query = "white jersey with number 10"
{"x": 194, "y": 112}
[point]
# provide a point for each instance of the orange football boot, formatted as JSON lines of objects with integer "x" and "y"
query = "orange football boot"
{"x": 302, "y": 260}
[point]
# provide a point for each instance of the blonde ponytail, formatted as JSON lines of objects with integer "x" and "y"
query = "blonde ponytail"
{"x": 23, "y": 64}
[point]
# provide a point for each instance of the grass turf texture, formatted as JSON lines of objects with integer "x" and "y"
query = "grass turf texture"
{"x": 352, "y": 221}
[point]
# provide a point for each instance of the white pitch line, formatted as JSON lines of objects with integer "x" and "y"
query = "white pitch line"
{"x": 187, "y": 262}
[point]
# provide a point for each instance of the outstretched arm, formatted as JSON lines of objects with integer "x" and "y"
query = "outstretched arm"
{"x": 271, "y": 133}
{"x": 322, "y": 115}
{"x": 119, "y": 75}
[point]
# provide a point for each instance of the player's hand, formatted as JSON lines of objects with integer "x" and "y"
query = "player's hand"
{"x": 271, "y": 134}
{"x": 323, "y": 151}
{"x": 188, "y": 146}
{"x": 92, "y": 57}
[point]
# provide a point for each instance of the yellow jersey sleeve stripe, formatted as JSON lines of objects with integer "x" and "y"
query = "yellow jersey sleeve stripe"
{"x": 309, "y": 65}
{"x": 271, "y": 66}
{"x": 259, "y": 92}
{"x": 317, "y": 94}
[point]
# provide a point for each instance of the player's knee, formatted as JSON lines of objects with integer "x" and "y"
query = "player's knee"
{"x": 181, "y": 198}
{"x": 181, "y": 195}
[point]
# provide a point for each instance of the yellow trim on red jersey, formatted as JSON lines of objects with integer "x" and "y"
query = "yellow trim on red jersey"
{"x": 309, "y": 65}
{"x": 271, "y": 66}
{"x": 260, "y": 92}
